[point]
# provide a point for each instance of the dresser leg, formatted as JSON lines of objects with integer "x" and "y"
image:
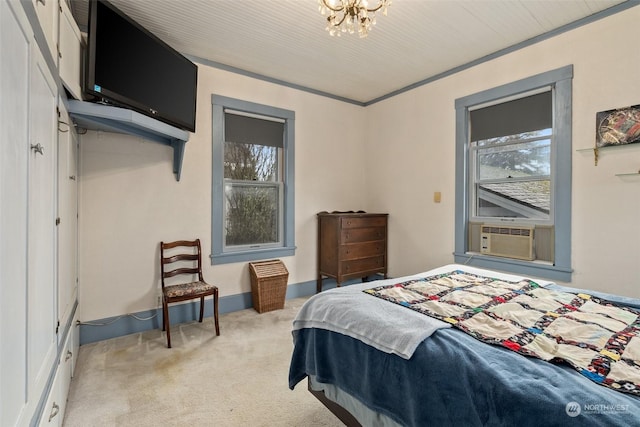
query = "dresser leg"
{"x": 319, "y": 285}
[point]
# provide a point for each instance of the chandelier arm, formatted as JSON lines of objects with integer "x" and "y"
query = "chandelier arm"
{"x": 375, "y": 9}
{"x": 336, "y": 24}
{"x": 344, "y": 16}
{"x": 337, "y": 9}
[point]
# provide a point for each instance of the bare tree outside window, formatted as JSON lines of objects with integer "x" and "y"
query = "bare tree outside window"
{"x": 252, "y": 194}
{"x": 250, "y": 162}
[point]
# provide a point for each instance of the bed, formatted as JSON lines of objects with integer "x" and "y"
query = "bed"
{"x": 376, "y": 360}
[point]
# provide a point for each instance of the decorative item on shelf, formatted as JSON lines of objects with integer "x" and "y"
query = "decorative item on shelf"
{"x": 617, "y": 127}
{"x": 349, "y": 16}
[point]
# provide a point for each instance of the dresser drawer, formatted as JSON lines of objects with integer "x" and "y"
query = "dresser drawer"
{"x": 360, "y": 222}
{"x": 356, "y": 235}
{"x": 362, "y": 250}
{"x": 363, "y": 265}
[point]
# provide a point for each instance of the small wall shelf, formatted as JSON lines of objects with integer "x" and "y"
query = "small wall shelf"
{"x": 107, "y": 118}
{"x": 595, "y": 151}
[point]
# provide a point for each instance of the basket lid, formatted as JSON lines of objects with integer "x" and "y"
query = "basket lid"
{"x": 268, "y": 268}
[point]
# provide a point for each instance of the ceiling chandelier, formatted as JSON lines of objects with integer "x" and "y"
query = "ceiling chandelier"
{"x": 349, "y": 16}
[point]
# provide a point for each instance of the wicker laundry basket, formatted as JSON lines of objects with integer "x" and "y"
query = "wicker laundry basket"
{"x": 268, "y": 284}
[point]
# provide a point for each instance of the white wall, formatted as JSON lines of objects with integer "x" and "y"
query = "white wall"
{"x": 413, "y": 135}
{"x": 388, "y": 157}
{"x": 130, "y": 200}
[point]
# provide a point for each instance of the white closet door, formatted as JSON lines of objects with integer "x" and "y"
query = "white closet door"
{"x": 14, "y": 119}
{"x": 41, "y": 296}
{"x": 47, "y": 12}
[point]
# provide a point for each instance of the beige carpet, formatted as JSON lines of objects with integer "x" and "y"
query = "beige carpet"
{"x": 237, "y": 379}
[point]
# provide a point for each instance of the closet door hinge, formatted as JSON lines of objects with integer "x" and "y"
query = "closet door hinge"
{"x": 57, "y": 327}
{"x": 57, "y": 221}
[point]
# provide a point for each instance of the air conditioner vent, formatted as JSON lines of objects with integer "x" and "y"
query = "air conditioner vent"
{"x": 511, "y": 242}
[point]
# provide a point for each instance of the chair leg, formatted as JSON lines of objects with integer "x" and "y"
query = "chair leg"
{"x": 165, "y": 321}
{"x": 201, "y": 309}
{"x": 164, "y": 318}
{"x": 215, "y": 312}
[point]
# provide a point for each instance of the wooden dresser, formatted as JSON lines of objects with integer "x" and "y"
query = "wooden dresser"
{"x": 351, "y": 245}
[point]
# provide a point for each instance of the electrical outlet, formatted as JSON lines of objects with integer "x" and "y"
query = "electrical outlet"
{"x": 159, "y": 303}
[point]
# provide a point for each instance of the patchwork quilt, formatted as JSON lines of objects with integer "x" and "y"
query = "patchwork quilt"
{"x": 599, "y": 339}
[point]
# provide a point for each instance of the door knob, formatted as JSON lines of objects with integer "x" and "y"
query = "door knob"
{"x": 38, "y": 148}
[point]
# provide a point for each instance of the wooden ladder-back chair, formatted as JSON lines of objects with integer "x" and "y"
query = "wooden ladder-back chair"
{"x": 185, "y": 260}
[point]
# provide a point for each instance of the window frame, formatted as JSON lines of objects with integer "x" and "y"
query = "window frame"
{"x": 560, "y": 80}
{"x": 220, "y": 254}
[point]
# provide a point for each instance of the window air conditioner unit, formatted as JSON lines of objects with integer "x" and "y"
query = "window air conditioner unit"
{"x": 507, "y": 241}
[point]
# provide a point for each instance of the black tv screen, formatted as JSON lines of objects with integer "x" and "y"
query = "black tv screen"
{"x": 128, "y": 66}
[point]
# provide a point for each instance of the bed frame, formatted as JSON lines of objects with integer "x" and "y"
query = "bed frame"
{"x": 337, "y": 410}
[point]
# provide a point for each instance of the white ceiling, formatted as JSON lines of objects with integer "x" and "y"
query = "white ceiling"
{"x": 285, "y": 40}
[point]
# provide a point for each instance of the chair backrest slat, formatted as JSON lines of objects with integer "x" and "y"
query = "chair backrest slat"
{"x": 180, "y": 257}
{"x": 177, "y": 271}
{"x": 187, "y": 255}
{"x": 187, "y": 243}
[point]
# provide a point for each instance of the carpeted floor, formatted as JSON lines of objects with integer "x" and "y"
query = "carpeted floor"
{"x": 236, "y": 379}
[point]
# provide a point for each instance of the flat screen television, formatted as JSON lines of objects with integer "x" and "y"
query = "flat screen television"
{"x": 129, "y": 67}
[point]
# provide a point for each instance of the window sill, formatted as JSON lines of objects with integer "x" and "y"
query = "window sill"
{"x": 524, "y": 268}
{"x": 252, "y": 255}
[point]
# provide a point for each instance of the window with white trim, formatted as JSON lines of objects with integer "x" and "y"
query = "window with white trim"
{"x": 252, "y": 212}
{"x": 253, "y": 181}
{"x": 513, "y": 173}
{"x": 510, "y": 160}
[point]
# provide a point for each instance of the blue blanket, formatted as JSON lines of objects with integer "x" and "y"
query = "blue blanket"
{"x": 454, "y": 380}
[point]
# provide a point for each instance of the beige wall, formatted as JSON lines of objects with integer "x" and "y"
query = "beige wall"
{"x": 388, "y": 157}
{"x": 130, "y": 200}
{"x": 414, "y": 136}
